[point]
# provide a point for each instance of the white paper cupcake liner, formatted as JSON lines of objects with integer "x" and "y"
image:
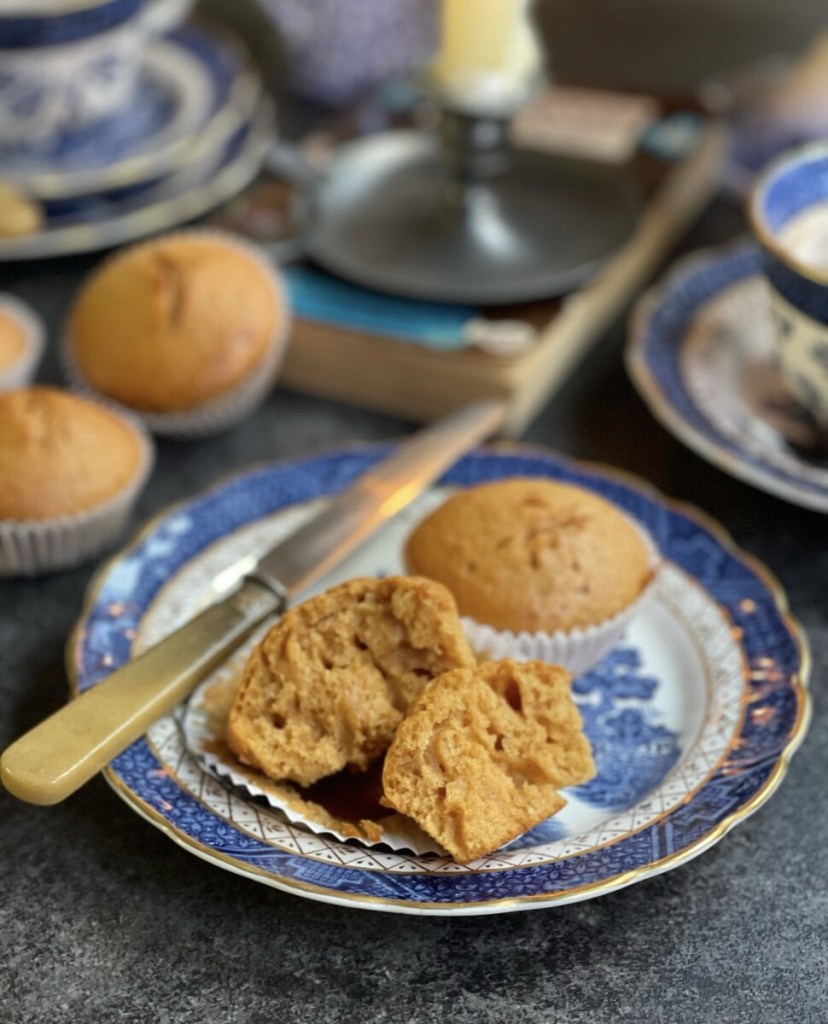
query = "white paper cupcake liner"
{"x": 577, "y": 650}
{"x": 20, "y": 373}
{"x": 31, "y": 547}
{"x": 404, "y": 836}
{"x": 218, "y": 414}
{"x": 396, "y": 832}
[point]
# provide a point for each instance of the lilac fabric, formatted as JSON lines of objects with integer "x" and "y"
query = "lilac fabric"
{"x": 340, "y": 49}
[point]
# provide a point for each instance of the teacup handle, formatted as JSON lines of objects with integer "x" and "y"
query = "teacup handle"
{"x": 161, "y": 16}
{"x": 285, "y": 161}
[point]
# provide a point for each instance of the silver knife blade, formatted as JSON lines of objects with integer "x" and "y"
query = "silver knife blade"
{"x": 312, "y": 550}
{"x": 59, "y": 755}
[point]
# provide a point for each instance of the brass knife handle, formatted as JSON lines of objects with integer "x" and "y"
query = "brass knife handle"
{"x": 57, "y": 757}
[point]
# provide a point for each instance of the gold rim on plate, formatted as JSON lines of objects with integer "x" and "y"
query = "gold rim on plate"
{"x": 799, "y": 684}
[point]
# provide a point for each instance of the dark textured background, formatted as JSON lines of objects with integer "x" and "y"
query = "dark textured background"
{"x": 666, "y": 46}
{"x": 103, "y": 919}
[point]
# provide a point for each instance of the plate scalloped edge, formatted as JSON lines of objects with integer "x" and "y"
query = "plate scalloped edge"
{"x": 741, "y": 259}
{"x": 554, "y": 465}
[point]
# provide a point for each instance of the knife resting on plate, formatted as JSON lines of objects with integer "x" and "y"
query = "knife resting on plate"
{"x": 59, "y": 755}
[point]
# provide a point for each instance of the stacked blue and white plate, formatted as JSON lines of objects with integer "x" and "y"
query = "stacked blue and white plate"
{"x": 117, "y": 121}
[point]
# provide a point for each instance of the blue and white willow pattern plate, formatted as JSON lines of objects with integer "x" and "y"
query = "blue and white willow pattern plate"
{"x": 196, "y": 89}
{"x": 701, "y": 353}
{"x": 183, "y": 196}
{"x": 173, "y": 95}
{"x": 692, "y": 717}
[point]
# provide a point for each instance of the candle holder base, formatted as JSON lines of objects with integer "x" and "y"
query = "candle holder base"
{"x": 390, "y": 216}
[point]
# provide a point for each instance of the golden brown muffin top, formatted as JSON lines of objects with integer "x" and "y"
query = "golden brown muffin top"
{"x": 481, "y": 754}
{"x": 532, "y": 554}
{"x": 12, "y": 340}
{"x": 61, "y": 454}
{"x": 328, "y": 684}
{"x": 174, "y": 323}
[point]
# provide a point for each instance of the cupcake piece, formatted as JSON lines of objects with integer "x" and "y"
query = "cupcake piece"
{"x": 327, "y": 686}
{"x": 482, "y": 753}
{"x": 539, "y": 569}
{"x": 186, "y": 331}
{"x": 21, "y": 343}
{"x": 70, "y": 470}
{"x": 20, "y": 215}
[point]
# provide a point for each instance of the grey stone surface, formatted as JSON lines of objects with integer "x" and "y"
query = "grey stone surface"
{"x": 103, "y": 918}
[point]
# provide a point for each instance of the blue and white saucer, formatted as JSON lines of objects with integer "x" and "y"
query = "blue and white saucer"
{"x": 701, "y": 353}
{"x": 100, "y": 222}
{"x": 196, "y": 89}
{"x": 692, "y": 717}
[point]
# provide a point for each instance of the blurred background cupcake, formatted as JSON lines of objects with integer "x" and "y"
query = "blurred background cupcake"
{"x": 21, "y": 342}
{"x": 185, "y": 331}
{"x": 70, "y": 472}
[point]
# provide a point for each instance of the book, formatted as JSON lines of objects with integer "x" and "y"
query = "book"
{"x": 420, "y": 360}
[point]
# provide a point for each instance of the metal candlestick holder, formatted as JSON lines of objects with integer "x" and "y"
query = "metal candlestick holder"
{"x": 461, "y": 215}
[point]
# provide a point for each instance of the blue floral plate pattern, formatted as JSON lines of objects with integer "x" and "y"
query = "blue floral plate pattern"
{"x": 701, "y": 353}
{"x": 692, "y": 717}
{"x": 198, "y": 86}
{"x": 103, "y": 222}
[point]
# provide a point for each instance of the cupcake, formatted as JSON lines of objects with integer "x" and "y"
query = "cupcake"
{"x": 482, "y": 753}
{"x": 21, "y": 343}
{"x": 70, "y": 470}
{"x": 539, "y": 569}
{"x": 328, "y": 685}
{"x": 186, "y": 331}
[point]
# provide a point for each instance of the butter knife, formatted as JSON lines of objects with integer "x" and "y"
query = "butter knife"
{"x": 59, "y": 755}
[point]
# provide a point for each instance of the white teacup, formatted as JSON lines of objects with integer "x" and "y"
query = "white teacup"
{"x": 67, "y": 64}
{"x": 789, "y": 215}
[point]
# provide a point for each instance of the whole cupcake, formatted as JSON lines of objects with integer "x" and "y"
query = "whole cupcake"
{"x": 539, "y": 569}
{"x": 70, "y": 470}
{"x": 186, "y": 331}
{"x": 21, "y": 343}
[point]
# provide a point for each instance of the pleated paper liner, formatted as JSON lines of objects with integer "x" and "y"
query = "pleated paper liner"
{"x": 345, "y": 806}
{"x": 33, "y": 546}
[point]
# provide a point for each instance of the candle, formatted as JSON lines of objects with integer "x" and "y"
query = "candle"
{"x": 488, "y": 53}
